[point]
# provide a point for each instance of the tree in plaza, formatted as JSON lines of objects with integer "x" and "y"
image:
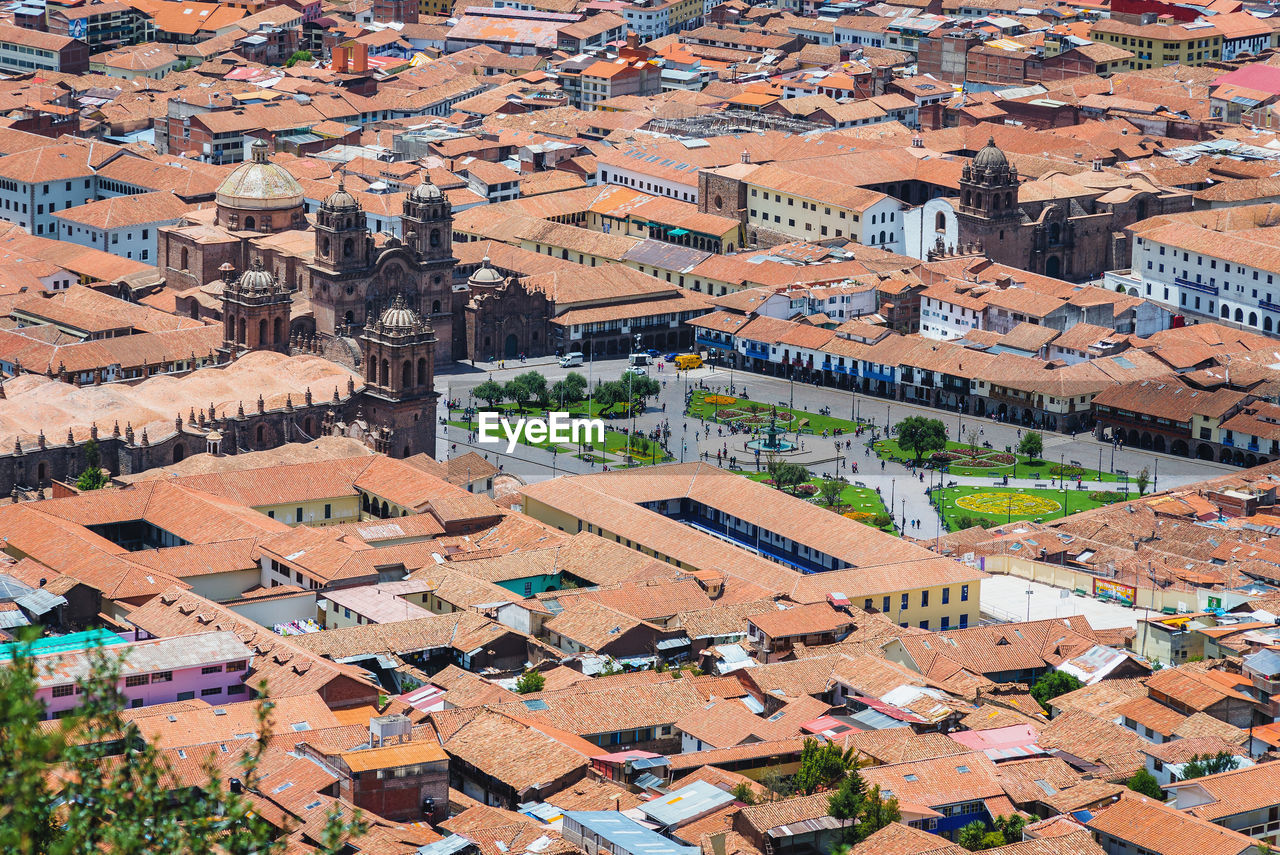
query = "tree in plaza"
{"x": 921, "y": 435}
{"x": 490, "y": 391}
{"x": 115, "y": 792}
{"x": 529, "y": 682}
{"x": 830, "y": 490}
{"x": 1145, "y": 783}
{"x": 1032, "y": 445}
{"x": 1051, "y": 684}
{"x": 526, "y": 387}
{"x": 1143, "y": 480}
{"x": 972, "y": 437}
{"x": 642, "y": 387}
{"x": 92, "y": 478}
{"x": 790, "y": 475}
{"x": 1209, "y": 764}
{"x": 570, "y": 390}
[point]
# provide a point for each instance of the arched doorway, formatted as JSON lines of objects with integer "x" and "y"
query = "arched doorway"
{"x": 1205, "y": 452}
{"x": 1178, "y": 447}
{"x": 178, "y": 453}
{"x": 511, "y": 347}
{"x": 1053, "y": 266}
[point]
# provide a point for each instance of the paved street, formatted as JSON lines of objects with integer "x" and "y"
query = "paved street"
{"x": 902, "y": 490}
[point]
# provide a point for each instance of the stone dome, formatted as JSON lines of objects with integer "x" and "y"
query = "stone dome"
{"x": 427, "y": 192}
{"x": 485, "y": 276}
{"x": 259, "y": 185}
{"x": 257, "y": 278}
{"x": 990, "y": 157}
{"x": 340, "y": 199}
{"x": 399, "y": 316}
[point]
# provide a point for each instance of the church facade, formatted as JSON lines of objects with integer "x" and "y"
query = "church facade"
{"x": 1067, "y": 227}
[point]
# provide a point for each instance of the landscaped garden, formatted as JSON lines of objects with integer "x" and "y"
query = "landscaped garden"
{"x": 862, "y": 504}
{"x": 754, "y": 415}
{"x": 964, "y": 507}
{"x": 961, "y": 458}
{"x": 528, "y": 396}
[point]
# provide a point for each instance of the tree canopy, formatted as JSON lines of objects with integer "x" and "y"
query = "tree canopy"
{"x": 1145, "y": 783}
{"x": 490, "y": 391}
{"x": 1209, "y": 764}
{"x": 1051, "y": 684}
{"x": 921, "y": 435}
{"x": 115, "y": 792}
{"x": 1032, "y": 445}
{"x": 92, "y": 478}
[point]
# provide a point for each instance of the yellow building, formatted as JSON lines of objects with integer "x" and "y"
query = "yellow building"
{"x": 717, "y": 524}
{"x": 1161, "y": 44}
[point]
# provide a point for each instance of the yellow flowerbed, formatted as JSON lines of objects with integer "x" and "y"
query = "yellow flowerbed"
{"x": 720, "y": 400}
{"x": 1019, "y": 504}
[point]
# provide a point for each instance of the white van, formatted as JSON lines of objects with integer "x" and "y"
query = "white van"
{"x": 636, "y": 360}
{"x": 570, "y": 359}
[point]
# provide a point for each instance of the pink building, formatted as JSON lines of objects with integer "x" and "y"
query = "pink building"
{"x": 210, "y": 665}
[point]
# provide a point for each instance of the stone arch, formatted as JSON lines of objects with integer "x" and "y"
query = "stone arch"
{"x": 261, "y": 434}
{"x": 435, "y": 307}
{"x": 406, "y": 374}
{"x": 1253, "y": 319}
{"x": 179, "y": 452}
{"x": 940, "y": 222}
{"x": 386, "y": 512}
{"x": 250, "y": 223}
{"x": 1204, "y": 452}
{"x": 1225, "y": 456}
{"x": 324, "y": 245}
{"x": 1132, "y": 439}
{"x": 372, "y": 373}
{"x": 435, "y": 238}
{"x": 1157, "y": 444}
{"x": 1226, "y": 312}
{"x": 1239, "y": 458}
{"x": 1008, "y": 200}
{"x": 386, "y": 373}
{"x": 40, "y": 472}
{"x": 240, "y": 332}
{"x": 882, "y": 238}
{"x": 422, "y": 372}
{"x": 1178, "y": 447}
{"x": 1146, "y": 440}
{"x": 306, "y": 426}
{"x": 277, "y": 331}
{"x": 1239, "y": 316}
{"x": 262, "y": 332}
{"x": 1251, "y": 461}
{"x": 1053, "y": 266}
{"x": 1266, "y": 324}
{"x": 186, "y": 258}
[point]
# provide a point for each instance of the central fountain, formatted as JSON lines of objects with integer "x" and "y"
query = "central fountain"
{"x": 771, "y": 442}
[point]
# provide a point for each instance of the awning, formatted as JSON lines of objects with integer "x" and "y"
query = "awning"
{"x": 678, "y": 232}
{"x": 672, "y": 643}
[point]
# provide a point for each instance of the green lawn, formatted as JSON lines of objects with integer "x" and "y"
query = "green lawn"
{"x": 998, "y": 505}
{"x": 1040, "y": 470}
{"x": 615, "y": 442}
{"x": 852, "y": 499}
{"x": 789, "y": 420}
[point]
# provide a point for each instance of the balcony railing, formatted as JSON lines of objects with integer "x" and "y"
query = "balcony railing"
{"x": 1196, "y": 286}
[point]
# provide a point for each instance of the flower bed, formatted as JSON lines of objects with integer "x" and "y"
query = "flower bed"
{"x": 806, "y": 490}
{"x": 720, "y": 400}
{"x": 1019, "y": 504}
{"x": 1105, "y": 496}
{"x": 1068, "y": 471}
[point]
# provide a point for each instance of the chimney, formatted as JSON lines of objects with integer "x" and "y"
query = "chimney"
{"x": 360, "y": 62}
{"x": 1097, "y": 164}
{"x": 917, "y": 141}
{"x": 746, "y": 156}
{"x": 341, "y": 59}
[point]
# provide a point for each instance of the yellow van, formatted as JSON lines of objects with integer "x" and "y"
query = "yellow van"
{"x": 688, "y": 361}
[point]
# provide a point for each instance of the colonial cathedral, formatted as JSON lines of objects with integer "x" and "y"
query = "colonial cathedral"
{"x": 383, "y": 306}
